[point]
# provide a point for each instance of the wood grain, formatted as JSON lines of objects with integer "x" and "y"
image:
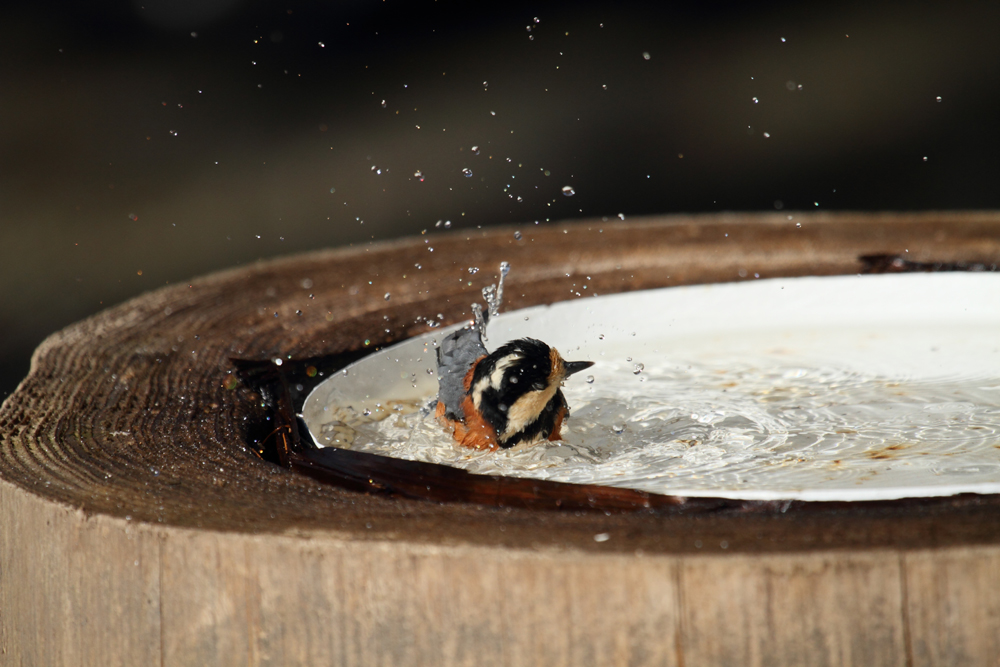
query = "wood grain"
{"x": 137, "y": 526}
{"x": 830, "y": 608}
{"x": 953, "y": 606}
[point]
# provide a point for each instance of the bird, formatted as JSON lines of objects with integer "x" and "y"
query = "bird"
{"x": 499, "y": 400}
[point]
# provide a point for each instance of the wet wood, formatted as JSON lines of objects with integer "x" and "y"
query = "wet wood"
{"x": 138, "y": 526}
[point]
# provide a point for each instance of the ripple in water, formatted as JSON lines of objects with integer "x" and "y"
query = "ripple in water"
{"x": 745, "y": 432}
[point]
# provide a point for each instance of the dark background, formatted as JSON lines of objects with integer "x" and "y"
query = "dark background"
{"x": 146, "y": 142}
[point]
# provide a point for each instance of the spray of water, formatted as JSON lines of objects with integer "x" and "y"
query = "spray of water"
{"x": 493, "y": 294}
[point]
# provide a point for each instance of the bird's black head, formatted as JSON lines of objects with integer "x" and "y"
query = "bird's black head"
{"x": 516, "y": 389}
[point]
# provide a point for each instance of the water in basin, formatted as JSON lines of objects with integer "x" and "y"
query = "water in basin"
{"x": 845, "y": 388}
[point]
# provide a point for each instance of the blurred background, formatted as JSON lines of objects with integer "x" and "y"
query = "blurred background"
{"x": 144, "y": 142}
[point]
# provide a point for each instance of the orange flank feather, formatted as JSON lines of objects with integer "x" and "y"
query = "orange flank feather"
{"x": 467, "y": 380}
{"x": 478, "y": 433}
{"x": 557, "y": 428}
{"x": 475, "y": 432}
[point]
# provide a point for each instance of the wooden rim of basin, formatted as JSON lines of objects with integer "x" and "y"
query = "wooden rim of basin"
{"x": 134, "y": 413}
{"x": 130, "y": 423}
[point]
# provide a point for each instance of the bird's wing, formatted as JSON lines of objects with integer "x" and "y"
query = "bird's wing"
{"x": 458, "y": 352}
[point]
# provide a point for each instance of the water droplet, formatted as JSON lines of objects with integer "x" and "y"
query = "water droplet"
{"x": 604, "y": 86}
{"x": 767, "y": 135}
{"x": 618, "y": 429}
{"x": 517, "y": 236}
{"x": 602, "y": 537}
{"x": 418, "y": 266}
{"x": 938, "y": 98}
{"x": 600, "y": 337}
{"x": 475, "y": 150}
{"x": 568, "y": 191}
{"x": 638, "y": 368}
{"x": 782, "y": 39}
{"x": 755, "y": 100}
{"x": 383, "y": 104}
{"x": 467, "y": 172}
{"x": 388, "y": 296}
{"x": 537, "y": 20}
{"x": 473, "y": 269}
{"x": 133, "y": 217}
{"x": 621, "y": 215}
{"x": 321, "y": 45}
{"x": 925, "y": 158}
{"x": 332, "y": 190}
{"x": 277, "y": 361}
{"x": 798, "y": 224}
{"x": 590, "y": 379}
{"x": 419, "y": 175}
{"x": 366, "y": 412}
{"x": 645, "y": 55}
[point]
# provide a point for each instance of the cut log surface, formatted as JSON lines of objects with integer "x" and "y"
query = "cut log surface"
{"x": 137, "y": 527}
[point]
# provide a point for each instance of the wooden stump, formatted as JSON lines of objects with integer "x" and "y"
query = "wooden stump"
{"x": 138, "y": 528}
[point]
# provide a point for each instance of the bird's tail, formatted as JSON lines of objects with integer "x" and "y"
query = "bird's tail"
{"x": 460, "y": 349}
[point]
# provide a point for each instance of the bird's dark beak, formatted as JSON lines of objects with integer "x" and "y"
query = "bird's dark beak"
{"x": 576, "y": 366}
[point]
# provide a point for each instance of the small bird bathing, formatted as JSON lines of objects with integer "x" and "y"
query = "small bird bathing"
{"x": 506, "y": 398}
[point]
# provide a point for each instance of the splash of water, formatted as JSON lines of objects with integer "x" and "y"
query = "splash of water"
{"x": 493, "y": 294}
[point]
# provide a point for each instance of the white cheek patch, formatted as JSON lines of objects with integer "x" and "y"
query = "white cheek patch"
{"x": 496, "y": 377}
{"x": 477, "y": 391}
